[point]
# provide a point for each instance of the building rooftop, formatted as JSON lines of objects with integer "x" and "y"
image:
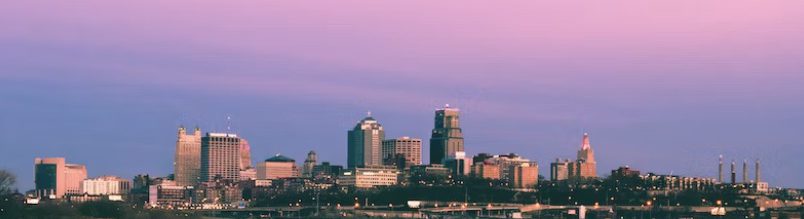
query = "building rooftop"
{"x": 280, "y": 158}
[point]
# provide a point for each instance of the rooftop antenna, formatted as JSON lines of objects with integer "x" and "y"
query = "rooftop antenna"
{"x": 368, "y": 113}
{"x": 228, "y": 123}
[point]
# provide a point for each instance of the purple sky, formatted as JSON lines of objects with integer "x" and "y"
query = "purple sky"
{"x": 660, "y": 86}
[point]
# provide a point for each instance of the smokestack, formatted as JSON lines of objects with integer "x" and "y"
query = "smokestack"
{"x": 733, "y": 173}
{"x": 720, "y": 169}
{"x": 756, "y": 171}
{"x": 745, "y": 171}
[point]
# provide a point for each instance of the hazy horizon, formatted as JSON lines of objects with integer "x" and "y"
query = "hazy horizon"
{"x": 660, "y": 86}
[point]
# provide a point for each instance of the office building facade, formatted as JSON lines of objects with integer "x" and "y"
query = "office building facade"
{"x": 365, "y": 143}
{"x": 220, "y": 157}
{"x": 447, "y": 136}
{"x": 410, "y": 149}
{"x": 187, "y": 161}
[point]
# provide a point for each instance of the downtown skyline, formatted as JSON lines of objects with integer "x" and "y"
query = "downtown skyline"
{"x": 665, "y": 93}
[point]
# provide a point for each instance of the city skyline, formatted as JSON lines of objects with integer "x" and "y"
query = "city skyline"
{"x": 663, "y": 87}
{"x": 584, "y": 153}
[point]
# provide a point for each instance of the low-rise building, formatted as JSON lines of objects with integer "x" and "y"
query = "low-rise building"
{"x": 106, "y": 185}
{"x": 277, "y": 167}
{"x": 166, "y": 194}
{"x": 368, "y": 177}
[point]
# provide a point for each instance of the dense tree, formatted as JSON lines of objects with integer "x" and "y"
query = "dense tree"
{"x": 7, "y": 181}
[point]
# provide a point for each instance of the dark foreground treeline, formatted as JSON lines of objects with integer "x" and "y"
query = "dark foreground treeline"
{"x": 12, "y": 206}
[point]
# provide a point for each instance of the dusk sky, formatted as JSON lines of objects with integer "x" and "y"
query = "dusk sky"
{"x": 661, "y": 86}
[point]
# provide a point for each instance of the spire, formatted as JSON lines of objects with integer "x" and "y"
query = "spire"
{"x": 368, "y": 114}
{"x": 585, "y": 143}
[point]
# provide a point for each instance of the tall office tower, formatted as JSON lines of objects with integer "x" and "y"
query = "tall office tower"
{"x": 733, "y": 173}
{"x": 586, "y": 167}
{"x": 409, "y": 148}
{"x": 187, "y": 163}
{"x": 309, "y": 164}
{"x": 220, "y": 157}
{"x": 720, "y": 169}
{"x": 53, "y": 177}
{"x": 559, "y": 170}
{"x": 245, "y": 155}
{"x": 756, "y": 171}
{"x": 745, "y": 171}
{"x": 447, "y": 137}
{"x": 365, "y": 143}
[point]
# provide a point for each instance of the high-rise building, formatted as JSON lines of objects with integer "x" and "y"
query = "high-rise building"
{"x": 245, "y": 155}
{"x": 524, "y": 176}
{"x": 187, "y": 163}
{"x": 54, "y": 178}
{"x": 365, "y": 143}
{"x": 720, "y": 169}
{"x": 745, "y": 171}
{"x": 309, "y": 164}
{"x": 733, "y": 173}
{"x": 409, "y": 148}
{"x": 559, "y": 170}
{"x": 106, "y": 185}
{"x": 585, "y": 166}
{"x": 220, "y": 157}
{"x": 447, "y": 137}
{"x": 756, "y": 171}
{"x": 277, "y": 167}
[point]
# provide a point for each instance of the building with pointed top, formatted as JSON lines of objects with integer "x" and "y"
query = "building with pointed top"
{"x": 187, "y": 161}
{"x": 447, "y": 136}
{"x": 365, "y": 143}
{"x": 585, "y": 166}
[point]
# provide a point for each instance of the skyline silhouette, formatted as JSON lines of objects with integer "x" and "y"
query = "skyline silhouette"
{"x": 661, "y": 87}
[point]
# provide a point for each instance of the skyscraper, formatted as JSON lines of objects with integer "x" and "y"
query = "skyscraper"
{"x": 745, "y": 171}
{"x": 720, "y": 169}
{"x": 447, "y": 137}
{"x": 187, "y": 163}
{"x": 309, "y": 164}
{"x": 365, "y": 142}
{"x": 220, "y": 157}
{"x": 245, "y": 155}
{"x": 733, "y": 173}
{"x": 409, "y": 148}
{"x": 585, "y": 166}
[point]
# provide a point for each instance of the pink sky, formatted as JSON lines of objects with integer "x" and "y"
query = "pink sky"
{"x": 629, "y": 71}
